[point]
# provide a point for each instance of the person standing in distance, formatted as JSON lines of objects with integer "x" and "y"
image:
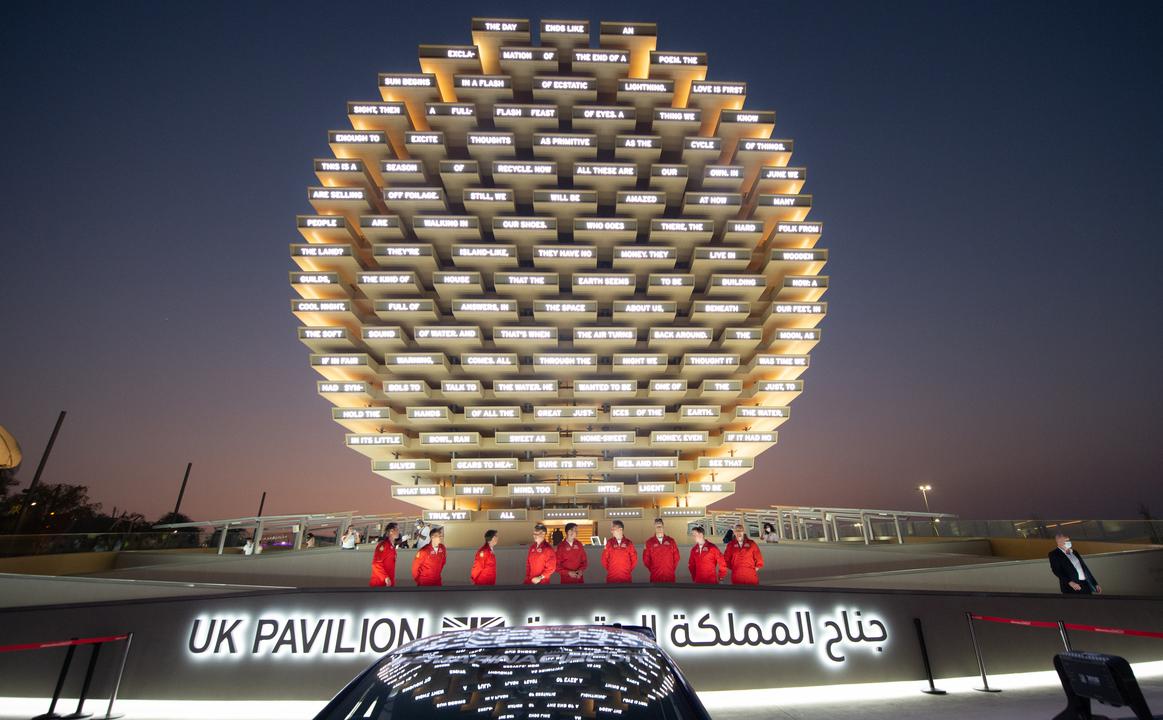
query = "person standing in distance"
{"x": 541, "y": 561}
{"x": 706, "y": 562}
{"x": 571, "y": 557}
{"x": 660, "y": 554}
{"x": 619, "y": 557}
{"x": 421, "y": 534}
{"x": 1074, "y": 577}
{"x": 484, "y": 564}
{"x": 430, "y": 559}
{"x": 743, "y": 558}
{"x": 384, "y": 559}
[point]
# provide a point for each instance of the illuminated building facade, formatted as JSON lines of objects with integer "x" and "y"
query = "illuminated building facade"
{"x": 549, "y": 281}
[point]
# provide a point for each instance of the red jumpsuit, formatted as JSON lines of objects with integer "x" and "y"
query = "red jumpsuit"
{"x": 383, "y": 565}
{"x": 428, "y": 564}
{"x": 541, "y": 560}
{"x": 619, "y": 559}
{"x": 571, "y": 557}
{"x": 484, "y": 566}
{"x": 706, "y": 564}
{"x": 661, "y": 558}
{"x": 744, "y": 562}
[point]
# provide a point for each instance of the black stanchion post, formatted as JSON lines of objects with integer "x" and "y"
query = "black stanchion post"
{"x": 925, "y": 659}
{"x": 117, "y": 682}
{"x": 980, "y": 661}
{"x": 1065, "y": 636}
{"x": 56, "y": 693}
{"x": 80, "y": 713}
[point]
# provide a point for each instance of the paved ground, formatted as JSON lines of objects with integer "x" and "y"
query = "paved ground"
{"x": 1040, "y": 703}
{"x": 903, "y": 702}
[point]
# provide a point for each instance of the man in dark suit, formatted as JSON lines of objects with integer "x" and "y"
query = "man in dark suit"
{"x": 1074, "y": 577}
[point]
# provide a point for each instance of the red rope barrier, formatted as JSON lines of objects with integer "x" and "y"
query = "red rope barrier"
{"x": 1069, "y": 626}
{"x": 61, "y": 643}
{"x": 1012, "y": 621}
{"x": 1114, "y": 631}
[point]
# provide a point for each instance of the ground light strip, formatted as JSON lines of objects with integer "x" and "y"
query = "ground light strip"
{"x": 718, "y": 700}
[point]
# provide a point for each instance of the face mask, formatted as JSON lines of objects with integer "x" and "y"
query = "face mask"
{"x": 1067, "y": 544}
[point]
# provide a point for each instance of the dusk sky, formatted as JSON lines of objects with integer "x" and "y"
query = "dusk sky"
{"x": 990, "y": 176}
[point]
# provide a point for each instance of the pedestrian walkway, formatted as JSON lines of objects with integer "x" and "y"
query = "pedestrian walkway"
{"x": 1031, "y": 696}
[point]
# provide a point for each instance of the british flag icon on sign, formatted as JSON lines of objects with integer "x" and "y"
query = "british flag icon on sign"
{"x": 471, "y": 623}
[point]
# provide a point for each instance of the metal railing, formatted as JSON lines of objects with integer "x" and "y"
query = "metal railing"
{"x": 1127, "y": 531}
{"x": 862, "y": 525}
{"x": 96, "y": 643}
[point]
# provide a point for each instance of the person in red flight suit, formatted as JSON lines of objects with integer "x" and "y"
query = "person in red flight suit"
{"x": 706, "y": 564}
{"x": 743, "y": 558}
{"x": 384, "y": 559}
{"x": 484, "y": 564}
{"x": 430, "y": 559}
{"x": 619, "y": 556}
{"x": 571, "y": 557}
{"x": 660, "y": 555}
{"x": 541, "y": 562}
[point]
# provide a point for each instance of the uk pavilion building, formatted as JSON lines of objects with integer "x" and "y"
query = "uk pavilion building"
{"x": 557, "y": 282}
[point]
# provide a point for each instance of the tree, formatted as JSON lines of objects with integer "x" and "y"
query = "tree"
{"x": 55, "y": 508}
{"x": 173, "y": 518}
{"x": 7, "y": 482}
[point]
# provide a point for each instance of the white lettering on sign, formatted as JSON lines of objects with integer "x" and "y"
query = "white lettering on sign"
{"x": 569, "y": 28}
{"x": 460, "y": 386}
{"x": 645, "y": 254}
{"x": 342, "y": 387}
{"x": 749, "y": 437}
{"x": 363, "y": 414}
{"x": 413, "y": 195}
{"x": 323, "y": 222}
{"x": 564, "y": 84}
{"x": 679, "y": 437}
{"x": 530, "y": 438}
{"x": 482, "y": 306}
{"x": 406, "y": 81}
{"x": 764, "y": 146}
{"x": 531, "y": 490}
{"x": 369, "y": 109}
{"x": 447, "y": 439}
{"x": 584, "y": 141}
{"x": 404, "y": 387}
{"x": 508, "y": 224}
{"x": 385, "y": 439}
{"x": 643, "y": 86}
{"x": 677, "y": 115}
{"x": 675, "y": 59}
{"x": 710, "y": 88}
{"x": 336, "y": 194}
{"x": 526, "y": 387}
{"x": 357, "y": 137}
{"x": 605, "y": 387}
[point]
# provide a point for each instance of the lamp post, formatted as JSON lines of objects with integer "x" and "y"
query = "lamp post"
{"x": 925, "y": 494}
{"x": 925, "y": 489}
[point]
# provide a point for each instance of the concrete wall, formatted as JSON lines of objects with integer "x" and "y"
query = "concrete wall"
{"x": 1038, "y": 548}
{"x": 332, "y": 567}
{"x": 28, "y": 590}
{"x": 1133, "y": 572}
{"x": 305, "y": 644}
{"x": 60, "y": 564}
